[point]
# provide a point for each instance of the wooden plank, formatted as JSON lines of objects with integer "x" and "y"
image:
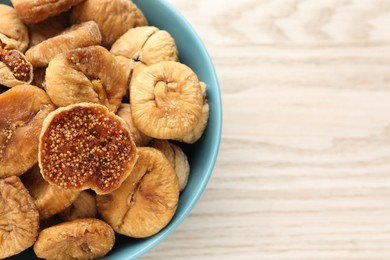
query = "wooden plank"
{"x": 304, "y": 166}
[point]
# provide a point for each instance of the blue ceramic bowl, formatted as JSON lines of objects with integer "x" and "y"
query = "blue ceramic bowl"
{"x": 203, "y": 154}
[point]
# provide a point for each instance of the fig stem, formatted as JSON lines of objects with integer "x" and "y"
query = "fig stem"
{"x": 160, "y": 93}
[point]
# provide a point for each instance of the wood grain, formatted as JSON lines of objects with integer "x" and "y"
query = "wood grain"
{"x": 304, "y": 166}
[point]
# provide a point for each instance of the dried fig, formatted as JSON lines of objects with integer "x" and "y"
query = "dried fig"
{"x": 89, "y": 74}
{"x": 127, "y": 68}
{"x": 139, "y": 138}
{"x": 48, "y": 28}
{"x": 144, "y": 46}
{"x": 146, "y": 201}
{"x": 22, "y": 109}
{"x": 83, "y": 207}
{"x": 176, "y": 157}
{"x": 198, "y": 130}
{"x": 78, "y": 239}
{"x": 49, "y": 199}
{"x": 14, "y": 68}
{"x": 77, "y": 36}
{"x": 85, "y": 146}
{"x": 19, "y": 221}
{"x": 168, "y": 96}
{"x": 13, "y": 33}
{"x": 35, "y": 11}
{"x": 131, "y": 69}
{"x": 114, "y": 17}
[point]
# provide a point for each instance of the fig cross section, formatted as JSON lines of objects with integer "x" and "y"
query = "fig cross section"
{"x": 85, "y": 146}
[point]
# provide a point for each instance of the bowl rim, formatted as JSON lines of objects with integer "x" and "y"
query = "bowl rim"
{"x": 173, "y": 225}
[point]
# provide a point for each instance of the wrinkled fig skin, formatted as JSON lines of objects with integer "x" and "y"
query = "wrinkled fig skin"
{"x": 23, "y": 109}
{"x": 168, "y": 96}
{"x": 114, "y": 17}
{"x": 13, "y": 33}
{"x": 77, "y": 36}
{"x": 48, "y": 28}
{"x": 89, "y": 74}
{"x": 131, "y": 69}
{"x": 143, "y": 46}
{"x": 126, "y": 66}
{"x": 177, "y": 158}
{"x": 15, "y": 69}
{"x": 83, "y": 207}
{"x": 19, "y": 218}
{"x": 139, "y": 138}
{"x": 93, "y": 146}
{"x": 49, "y": 199}
{"x": 78, "y": 239}
{"x": 35, "y": 11}
{"x": 198, "y": 130}
{"x": 146, "y": 44}
{"x": 146, "y": 200}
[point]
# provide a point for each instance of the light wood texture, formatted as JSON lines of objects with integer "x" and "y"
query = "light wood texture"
{"x": 304, "y": 166}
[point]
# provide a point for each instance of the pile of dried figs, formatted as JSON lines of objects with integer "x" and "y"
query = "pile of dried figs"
{"x": 95, "y": 101}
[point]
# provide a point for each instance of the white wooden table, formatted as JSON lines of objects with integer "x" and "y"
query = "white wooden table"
{"x": 304, "y": 166}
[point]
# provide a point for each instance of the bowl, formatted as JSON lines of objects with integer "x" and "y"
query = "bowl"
{"x": 203, "y": 154}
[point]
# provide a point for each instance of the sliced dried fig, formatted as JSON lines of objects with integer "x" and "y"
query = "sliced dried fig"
{"x": 35, "y": 11}
{"x": 114, "y": 17}
{"x": 143, "y": 46}
{"x": 77, "y": 36}
{"x": 23, "y": 109}
{"x": 19, "y": 218}
{"x": 83, "y": 207}
{"x": 15, "y": 69}
{"x": 139, "y": 138}
{"x": 85, "y": 146}
{"x": 13, "y": 33}
{"x": 146, "y": 200}
{"x": 198, "y": 130}
{"x": 49, "y": 199}
{"x": 168, "y": 96}
{"x": 89, "y": 74}
{"x": 48, "y": 28}
{"x": 78, "y": 239}
{"x": 177, "y": 158}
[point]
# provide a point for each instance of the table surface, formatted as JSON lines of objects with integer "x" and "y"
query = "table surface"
{"x": 304, "y": 166}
